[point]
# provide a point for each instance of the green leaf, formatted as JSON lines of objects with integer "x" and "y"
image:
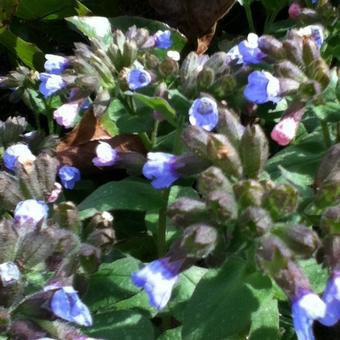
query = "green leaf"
{"x": 110, "y": 288}
{"x": 7, "y": 11}
{"x": 171, "y": 334}
{"x": 122, "y": 325}
{"x": 303, "y": 158}
{"x": 274, "y": 6}
{"x": 329, "y": 112}
{"x": 123, "y": 195}
{"x": 188, "y": 281}
{"x": 50, "y": 9}
{"x": 160, "y": 105}
{"x": 27, "y": 52}
{"x": 93, "y": 28}
{"x": 224, "y": 303}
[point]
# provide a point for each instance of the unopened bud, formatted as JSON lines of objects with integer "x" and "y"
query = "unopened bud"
{"x": 101, "y": 103}
{"x": 249, "y": 193}
{"x": 89, "y": 82}
{"x": 25, "y": 329}
{"x": 213, "y": 179}
{"x": 330, "y": 220}
{"x": 89, "y": 258}
{"x": 66, "y": 215}
{"x": 5, "y": 319}
{"x": 282, "y": 200}
{"x": 198, "y": 240}
{"x": 332, "y": 251}
{"x": 321, "y": 72}
{"x": 205, "y": 78}
{"x": 300, "y": 239}
{"x": 223, "y": 205}
{"x": 129, "y": 53}
{"x": 257, "y": 220}
{"x": 168, "y": 67}
{"x": 293, "y": 48}
{"x": 288, "y": 86}
{"x": 100, "y": 220}
{"x": 254, "y": 151}
{"x": 224, "y": 85}
{"x": 229, "y": 124}
{"x": 224, "y": 155}
{"x": 286, "y": 69}
{"x": 103, "y": 239}
{"x": 329, "y": 191}
{"x": 310, "y": 51}
{"x": 218, "y": 62}
{"x": 186, "y": 211}
{"x": 196, "y": 139}
{"x": 271, "y": 47}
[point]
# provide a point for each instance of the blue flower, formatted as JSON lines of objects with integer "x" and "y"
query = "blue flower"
{"x": 331, "y": 297}
{"x": 138, "y": 78}
{"x": 158, "y": 278}
{"x": 163, "y": 39}
{"x": 17, "y": 153}
{"x": 161, "y": 169}
{"x": 30, "y": 212}
{"x": 249, "y": 50}
{"x": 305, "y": 309}
{"x": 9, "y": 273}
{"x": 234, "y": 54}
{"x": 204, "y": 113}
{"x": 50, "y": 83}
{"x": 262, "y": 87}
{"x": 314, "y": 32}
{"x": 69, "y": 176}
{"x": 65, "y": 304}
{"x": 106, "y": 155}
{"x": 55, "y": 64}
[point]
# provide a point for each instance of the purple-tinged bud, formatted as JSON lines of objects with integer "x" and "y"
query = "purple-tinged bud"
{"x": 168, "y": 67}
{"x": 272, "y": 47}
{"x": 281, "y": 200}
{"x": 106, "y": 155}
{"x": 331, "y": 297}
{"x": 55, "y": 64}
{"x": 306, "y": 307}
{"x": 197, "y": 242}
{"x": 249, "y": 49}
{"x": 160, "y": 168}
{"x": 293, "y": 48}
{"x": 137, "y": 79}
{"x": 206, "y": 78}
{"x": 65, "y": 304}
{"x": 66, "y": 215}
{"x": 310, "y": 52}
{"x": 163, "y": 39}
{"x": 103, "y": 238}
{"x": 196, "y": 139}
{"x": 262, "y": 87}
{"x": 330, "y": 220}
{"x": 321, "y": 72}
{"x": 50, "y": 83}
{"x": 294, "y": 10}
{"x": 55, "y": 193}
{"x": 18, "y": 153}
{"x": 224, "y": 155}
{"x": 66, "y": 114}
{"x": 9, "y": 274}
{"x": 329, "y": 191}
{"x": 129, "y": 53}
{"x": 100, "y": 220}
{"x": 288, "y": 86}
{"x": 222, "y": 205}
{"x": 204, "y": 113}
{"x": 186, "y": 211}
{"x": 25, "y": 329}
{"x": 285, "y": 131}
{"x": 254, "y": 151}
{"x": 69, "y": 176}
{"x": 89, "y": 257}
{"x": 257, "y": 220}
{"x": 30, "y": 212}
{"x": 158, "y": 279}
{"x": 249, "y": 193}
{"x": 213, "y": 179}
{"x": 300, "y": 239}
{"x": 312, "y": 32}
{"x": 331, "y": 247}
{"x": 286, "y": 69}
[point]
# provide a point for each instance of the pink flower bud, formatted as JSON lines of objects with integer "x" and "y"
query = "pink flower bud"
{"x": 294, "y": 10}
{"x": 285, "y": 131}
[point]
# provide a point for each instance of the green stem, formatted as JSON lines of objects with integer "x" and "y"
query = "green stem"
{"x": 154, "y": 133}
{"x": 161, "y": 236}
{"x": 326, "y": 134}
{"x": 146, "y": 140}
{"x": 249, "y": 18}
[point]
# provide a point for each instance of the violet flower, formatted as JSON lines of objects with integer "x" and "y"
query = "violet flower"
{"x": 138, "y": 78}
{"x": 204, "y": 113}
{"x": 69, "y": 176}
{"x": 106, "y": 155}
{"x": 55, "y": 64}
{"x": 163, "y": 39}
{"x": 17, "y": 153}
{"x": 30, "y": 212}
{"x": 50, "y": 83}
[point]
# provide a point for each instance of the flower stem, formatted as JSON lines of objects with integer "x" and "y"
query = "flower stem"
{"x": 161, "y": 236}
{"x": 154, "y": 133}
{"x": 326, "y": 134}
{"x": 250, "y": 20}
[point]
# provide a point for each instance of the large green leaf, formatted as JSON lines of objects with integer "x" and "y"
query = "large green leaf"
{"x": 122, "y": 325}
{"x": 171, "y": 334}
{"x": 27, "y": 52}
{"x": 50, "y": 9}
{"x": 123, "y": 195}
{"x": 110, "y": 288}
{"x": 224, "y": 303}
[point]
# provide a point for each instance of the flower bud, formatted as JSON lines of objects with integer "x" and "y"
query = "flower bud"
{"x": 329, "y": 191}
{"x": 89, "y": 258}
{"x": 5, "y": 319}
{"x": 287, "y": 69}
{"x": 101, "y": 102}
{"x": 66, "y": 215}
{"x": 218, "y": 63}
{"x": 102, "y": 238}
{"x": 249, "y": 193}
{"x": 224, "y": 86}
{"x": 186, "y": 211}
{"x": 257, "y": 220}
{"x": 271, "y": 47}
{"x": 9, "y": 274}
{"x": 168, "y": 67}
{"x": 293, "y": 48}
{"x": 223, "y": 205}
{"x": 254, "y": 151}
{"x": 281, "y": 200}
{"x": 10, "y": 193}
{"x": 11, "y": 129}
{"x": 223, "y": 154}
{"x": 213, "y": 179}
{"x": 332, "y": 251}
{"x": 310, "y": 51}
{"x": 196, "y": 139}
{"x": 288, "y": 86}
{"x": 100, "y": 220}
{"x": 25, "y": 329}
{"x": 321, "y": 72}
{"x": 198, "y": 241}
{"x": 330, "y": 220}
{"x": 205, "y": 78}
{"x": 129, "y": 53}
{"x": 229, "y": 124}
{"x": 300, "y": 239}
